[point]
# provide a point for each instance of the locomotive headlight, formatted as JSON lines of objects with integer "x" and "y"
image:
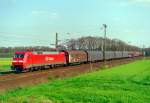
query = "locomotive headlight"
{"x": 20, "y": 61}
{"x": 14, "y": 61}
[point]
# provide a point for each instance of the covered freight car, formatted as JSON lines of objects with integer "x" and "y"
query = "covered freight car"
{"x": 125, "y": 54}
{"x": 95, "y": 55}
{"x": 109, "y": 55}
{"x": 147, "y": 53}
{"x": 74, "y": 56}
{"x": 118, "y": 54}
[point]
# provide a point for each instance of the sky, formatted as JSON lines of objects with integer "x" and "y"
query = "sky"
{"x": 35, "y": 22}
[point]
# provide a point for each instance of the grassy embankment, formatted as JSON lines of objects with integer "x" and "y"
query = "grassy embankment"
{"x": 5, "y": 64}
{"x": 128, "y": 83}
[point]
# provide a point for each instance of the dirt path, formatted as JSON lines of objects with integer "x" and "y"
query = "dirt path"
{"x": 32, "y": 78}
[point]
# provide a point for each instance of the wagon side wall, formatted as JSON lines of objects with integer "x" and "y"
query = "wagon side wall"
{"x": 95, "y": 55}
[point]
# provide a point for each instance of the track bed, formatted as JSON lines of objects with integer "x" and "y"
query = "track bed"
{"x": 13, "y": 80}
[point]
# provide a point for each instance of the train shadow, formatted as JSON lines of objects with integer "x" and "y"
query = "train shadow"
{"x": 6, "y": 72}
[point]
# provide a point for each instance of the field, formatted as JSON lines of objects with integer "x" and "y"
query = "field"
{"x": 5, "y": 64}
{"x": 128, "y": 83}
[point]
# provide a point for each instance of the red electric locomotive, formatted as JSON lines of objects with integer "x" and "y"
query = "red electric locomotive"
{"x": 26, "y": 60}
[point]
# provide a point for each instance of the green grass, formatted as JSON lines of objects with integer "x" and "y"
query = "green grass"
{"x": 5, "y": 64}
{"x": 128, "y": 83}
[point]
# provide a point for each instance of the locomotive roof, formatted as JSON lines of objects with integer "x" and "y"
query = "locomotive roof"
{"x": 45, "y": 52}
{"x": 21, "y": 52}
{"x": 39, "y": 52}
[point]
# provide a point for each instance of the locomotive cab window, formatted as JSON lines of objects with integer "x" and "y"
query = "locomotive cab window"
{"x": 19, "y": 56}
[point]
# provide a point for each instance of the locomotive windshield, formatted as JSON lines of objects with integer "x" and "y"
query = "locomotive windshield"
{"x": 19, "y": 56}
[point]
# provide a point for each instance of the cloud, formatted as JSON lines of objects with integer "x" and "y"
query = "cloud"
{"x": 123, "y": 3}
{"x": 52, "y": 15}
{"x": 35, "y": 12}
{"x": 13, "y": 1}
{"x": 140, "y": 2}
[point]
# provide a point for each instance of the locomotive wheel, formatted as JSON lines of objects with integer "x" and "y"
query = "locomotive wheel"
{"x": 18, "y": 70}
{"x": 51, "y": 66}
{"x": 64, "y": 65}
{"x": 31, "y": 69}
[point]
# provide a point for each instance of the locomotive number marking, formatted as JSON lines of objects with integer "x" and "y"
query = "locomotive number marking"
{"x": 49, "y": 58}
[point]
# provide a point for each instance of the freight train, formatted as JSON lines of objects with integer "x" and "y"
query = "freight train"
{"x": 32, "y": 60}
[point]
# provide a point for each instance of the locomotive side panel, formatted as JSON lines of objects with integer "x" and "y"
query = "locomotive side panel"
{"x": 48, "y": 59}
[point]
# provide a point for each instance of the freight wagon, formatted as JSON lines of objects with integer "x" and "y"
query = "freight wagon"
{"x": 76, "y": 56}
{"x": 147, "y": 53}
{"x": 94, "y": 56}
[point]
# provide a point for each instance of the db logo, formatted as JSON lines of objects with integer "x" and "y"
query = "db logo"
{"x": 49, "y": 58}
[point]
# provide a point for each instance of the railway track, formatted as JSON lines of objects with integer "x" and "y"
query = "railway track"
{"x": 12, "y": 80}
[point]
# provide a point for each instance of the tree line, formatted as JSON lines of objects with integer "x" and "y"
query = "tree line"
{"x": 96, "y": 43}
{"x": 83, "y": 43}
